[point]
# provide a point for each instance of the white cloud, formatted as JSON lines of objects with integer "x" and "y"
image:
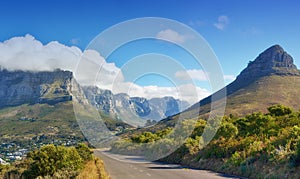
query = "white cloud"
{"x": 192, "y": 75}
{"x": 222, "y": 22}
{"x": 93, "y": 69}
{"x": 229, "y": 77}
{"x": 27, "y": 53}
{"x": 171, "y": 35}
{"x": 198, "y": 75}
{"x": 187, "y": 92}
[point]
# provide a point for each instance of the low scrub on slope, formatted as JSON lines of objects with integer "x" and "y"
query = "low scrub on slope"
{"x": 258, "y": 145}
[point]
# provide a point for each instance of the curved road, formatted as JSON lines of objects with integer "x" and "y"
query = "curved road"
{"x": 130, "y": 167}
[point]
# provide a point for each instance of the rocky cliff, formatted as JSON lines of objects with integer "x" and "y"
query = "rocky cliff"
{"x": 272, "y": 78}
{"x": 114, "y": 105}
{"x": 274, "y": 60}
{"x": 20, "y": 87}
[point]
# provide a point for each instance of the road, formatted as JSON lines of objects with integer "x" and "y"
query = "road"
{"x": 131, "y": 167}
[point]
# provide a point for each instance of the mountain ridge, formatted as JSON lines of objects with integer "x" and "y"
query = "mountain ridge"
{"x": 20, "y": 87}
{"x": 273, "y": 71}
{"x": 148, "y": 109}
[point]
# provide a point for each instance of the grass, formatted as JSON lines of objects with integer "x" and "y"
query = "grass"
{"x": 94, "y": 169}
{"x": 256, "y": 96}
{"x": 50, "y": 119}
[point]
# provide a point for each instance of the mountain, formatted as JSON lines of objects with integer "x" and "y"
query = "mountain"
{"x": 166, "y": 106}
{"x": 36, "y": 107}
{"x": 272, "y": 78}
{"x": 122, "y": 105}
{"x": 40, "y": 105}
{"x": 20, "y": 87}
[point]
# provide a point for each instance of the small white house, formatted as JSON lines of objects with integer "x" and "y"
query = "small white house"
{"x": 2, "y": 162}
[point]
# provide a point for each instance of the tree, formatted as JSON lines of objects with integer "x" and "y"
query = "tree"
{"x": 84, "y": 152}
{"x": 51, "y": 159}
{"x": 227, "y": 130}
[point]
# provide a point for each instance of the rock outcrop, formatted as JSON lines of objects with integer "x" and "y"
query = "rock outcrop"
{"x": 20, "y": 87}
{"x": 274, "y": 60}
{"x": 116, "y": 104}
{"x": 23, "y": 87}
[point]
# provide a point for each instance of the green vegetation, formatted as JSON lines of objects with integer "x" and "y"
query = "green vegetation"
{"x": 258, "y": 145}
{"x": 256, "y": 97}
{"x": 146, "y": 137}
{"x": 50, "y": 120}
{"x": 51, "y": 159}
{"x": 55, "y": 162}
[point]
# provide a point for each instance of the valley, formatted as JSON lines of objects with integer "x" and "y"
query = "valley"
{"x": 149, "y": 89}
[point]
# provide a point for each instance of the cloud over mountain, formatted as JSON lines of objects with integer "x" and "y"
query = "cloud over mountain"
{"x": 28, "y": 53}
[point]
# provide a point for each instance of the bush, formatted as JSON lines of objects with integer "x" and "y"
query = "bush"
{"x": 145, "y": 138}
{"x": 236, "y": 159}
{"x": 227, "y": 130}
{"x": 295, "y": 158}
{"x": 84, "y": 152}
{"x": 51, "y": 159}
{"x": 279, "y": 110}
{"x": 193, "y": 144}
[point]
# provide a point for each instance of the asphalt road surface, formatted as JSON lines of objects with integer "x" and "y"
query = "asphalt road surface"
{"x": 131, "y": 167}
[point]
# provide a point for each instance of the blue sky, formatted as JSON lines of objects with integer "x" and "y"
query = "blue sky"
{"x": 236, "y": 30}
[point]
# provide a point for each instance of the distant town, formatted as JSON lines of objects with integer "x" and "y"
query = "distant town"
{"x": 17, "y": 150}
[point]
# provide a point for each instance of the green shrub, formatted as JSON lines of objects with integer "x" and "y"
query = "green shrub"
{"x": 84, "y": 152}
{"x": 51, "y": 159}
{"x": 236, "y": 159}
{"x": 193, "y": 145}
{"x": 295, "y": 158}
{"x": 227, "y": 130}
{"x": 279, "y": 110}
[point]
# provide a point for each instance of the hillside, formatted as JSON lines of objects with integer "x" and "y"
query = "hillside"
{"x": 21, "y": 87}
{"x": 272, "y": 78}
{"x": 258, "y": 138}
{"x": 37, "y": 108}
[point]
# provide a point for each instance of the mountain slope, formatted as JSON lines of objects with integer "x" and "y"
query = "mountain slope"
{"x": 118, "y": 105}
{"x": 272, "y": 78}
{"x": 36, "y": 107}
{"x": 21, "y": 87}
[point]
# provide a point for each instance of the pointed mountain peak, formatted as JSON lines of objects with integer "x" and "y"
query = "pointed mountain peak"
{"x": 275, "y": 56}
{"x": 275, "y": 48}
{"x": 274, "y": 60}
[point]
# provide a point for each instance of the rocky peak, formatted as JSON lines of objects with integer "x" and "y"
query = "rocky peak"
{"x": 275, "y": 56}
{"x": 274, "y": 60}
{"x": 122, "y": 103}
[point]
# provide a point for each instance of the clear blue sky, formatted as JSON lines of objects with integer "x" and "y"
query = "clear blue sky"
{"x": 251, "y": 26}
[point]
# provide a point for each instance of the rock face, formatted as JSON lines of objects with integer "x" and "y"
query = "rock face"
{"x": 21, "y": 87}
{"x": 114, "y": 105}
{"x": 166, "y": 106}
{"x": 102, "y": 99}
{"x": 274, "y": 60}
